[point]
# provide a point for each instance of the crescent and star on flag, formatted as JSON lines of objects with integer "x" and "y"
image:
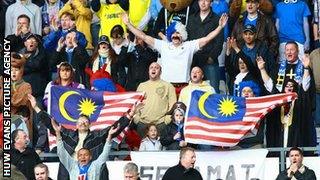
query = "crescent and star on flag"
{"x": 86, "y": 105}
{"x": 227, "y": 106}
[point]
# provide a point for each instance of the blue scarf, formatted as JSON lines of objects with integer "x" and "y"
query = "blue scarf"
{"x": 179, "y": 129}
{"x": 282, "y": 73}
{"x": 83, "y": 175}
{"x": 69, "y": 54}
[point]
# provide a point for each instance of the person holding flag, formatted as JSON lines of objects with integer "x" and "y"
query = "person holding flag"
{"x": 292, "y": 122}
{"x": 83, "y": 136}
{"x": 83, "y": 168}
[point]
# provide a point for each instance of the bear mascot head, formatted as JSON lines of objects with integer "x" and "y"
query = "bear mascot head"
{"x": 175, "y": 5}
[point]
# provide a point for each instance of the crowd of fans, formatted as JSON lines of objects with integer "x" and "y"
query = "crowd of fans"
{"x": 254, "y": 47}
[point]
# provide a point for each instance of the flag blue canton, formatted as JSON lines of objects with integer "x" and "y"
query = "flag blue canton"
{"x": 216, "y": 107}
{"x": 65, "y": 105}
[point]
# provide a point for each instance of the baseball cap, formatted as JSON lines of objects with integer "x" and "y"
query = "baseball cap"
{"x": 30, "y": 35}
{"x": 250, "y": 27}
{"x": 103, "y": 39}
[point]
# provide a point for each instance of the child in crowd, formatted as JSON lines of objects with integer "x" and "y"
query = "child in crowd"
{"x": 152, "y": 140}
{"x": 172, "y": 136}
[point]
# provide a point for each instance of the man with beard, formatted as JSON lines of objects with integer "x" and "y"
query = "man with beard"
{"x": 177, "y": 54}
{"x": 185, "y": 169}
{"x": 294, "y": 75}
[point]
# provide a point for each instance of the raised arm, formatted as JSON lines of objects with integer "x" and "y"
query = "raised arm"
{"x": 222, "y": 22}
{"x": 147, "y": 39}
{"x": 268, "y": 83}
{"x": 62, "y": 153}
{"x": 103, "y": 157}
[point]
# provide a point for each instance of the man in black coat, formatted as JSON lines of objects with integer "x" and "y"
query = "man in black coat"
{"x": 137, "y": 60}
{"x": 200, "y": 25}
{"x": 296, "y": 170}
{"x": 35, "y": 68}
{"x": 69, "y": 50}
{"x": 23, "y": 157}
{"x": 185, "y": 169}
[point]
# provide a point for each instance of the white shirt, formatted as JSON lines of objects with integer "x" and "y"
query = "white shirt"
{"x": 176, "y": 61}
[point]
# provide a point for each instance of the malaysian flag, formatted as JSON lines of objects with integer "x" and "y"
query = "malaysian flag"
{"x": 103, "y": 108}
{"x": 222, "y": 120}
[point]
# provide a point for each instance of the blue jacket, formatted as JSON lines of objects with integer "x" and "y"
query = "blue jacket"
{"x": 50, "y": 42}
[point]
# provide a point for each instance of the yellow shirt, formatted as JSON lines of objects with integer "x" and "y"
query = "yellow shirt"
{"x": 185, "y": 94}
{"x": 83, "y": 17}
{"x": 243, "y": 6}
{"x": 110, "y": 15}
{"x": 139, "y": 12}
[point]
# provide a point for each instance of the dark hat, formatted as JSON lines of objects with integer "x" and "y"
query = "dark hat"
{"x": 250, "y": 27}
{"x": 177, "y": 105}
{"x": 103, "y": 39}
{"x": 30, "y": 35}
{"x": 17, "y": 60}
{"x": 252, "y": 1}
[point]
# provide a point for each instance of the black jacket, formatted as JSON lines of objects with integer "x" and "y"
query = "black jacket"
{"x": 25, "y": 161}
{"x": 197, "y": 29}
{"x": 232, "y": 69}
{"x": 79, "y": 60}
{"x": 17, "y": 42}
{"x": 307, "y": 175}
{"x": 137, "y": 62}
{"x": 179, "y": 172}
{"x": 166, "y": 138}
{"x": 36, "y": 72}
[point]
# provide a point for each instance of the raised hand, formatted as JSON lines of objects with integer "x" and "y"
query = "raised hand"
{"x": 56, "y": 127}
{"x": 233, "y": 43}
{"x": 18, "y": 30}
{"x": 306, "y": 60}
{"x": 112, "y": 130}
{"x": 32, "y": 100}
{"x": 60, "y": 44}
{"x": 260, "y": 62}
{"x": 223, "y": 20}
{"x": 25, "y": 29}
{"x": 74, "y": 39}
{"x": 125, "y": 18}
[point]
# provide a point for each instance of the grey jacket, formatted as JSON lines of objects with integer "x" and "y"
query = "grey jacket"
{"x": 72, "y": 165}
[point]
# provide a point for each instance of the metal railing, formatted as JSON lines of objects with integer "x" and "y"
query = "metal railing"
{"x": 282, "y": 154}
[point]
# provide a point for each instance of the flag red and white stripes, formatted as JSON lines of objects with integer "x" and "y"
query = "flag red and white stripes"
{"x": 115, "y": 106}
{"x": 228, "y": 134}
